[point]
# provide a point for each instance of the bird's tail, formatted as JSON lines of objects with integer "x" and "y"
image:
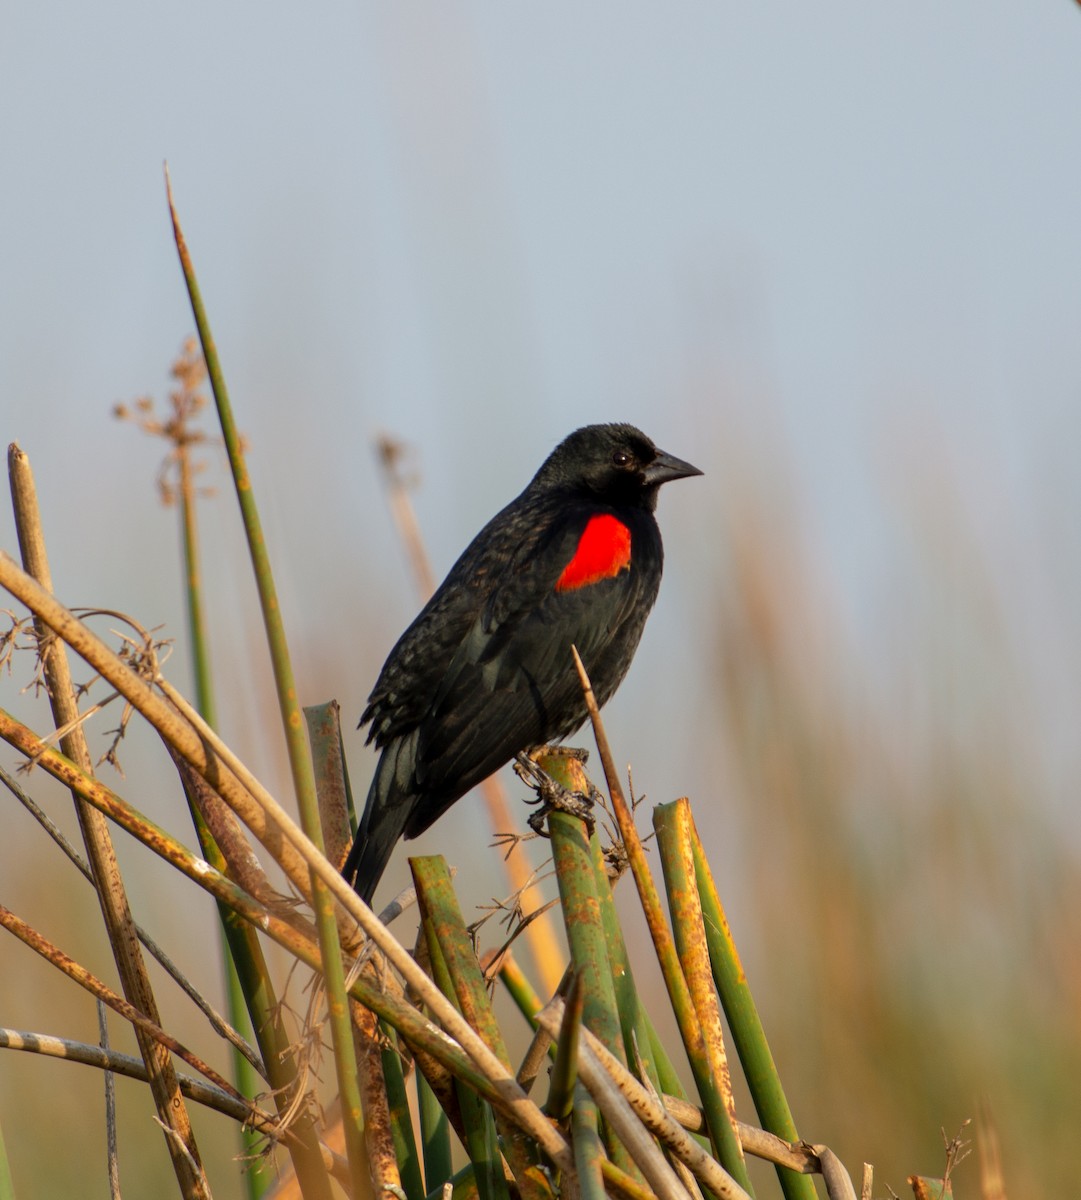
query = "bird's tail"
{"x": 385, "y": 814}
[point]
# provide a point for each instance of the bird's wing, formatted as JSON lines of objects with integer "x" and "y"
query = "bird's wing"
{"x": 503, "y": 551}
{"x": 512, "y": 684}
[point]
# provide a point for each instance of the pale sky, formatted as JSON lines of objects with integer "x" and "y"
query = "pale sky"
{"x": 848, "y": 231}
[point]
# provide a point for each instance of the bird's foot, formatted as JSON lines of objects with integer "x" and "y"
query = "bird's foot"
{"x": 547, "y": 759}
{"x": 552, "y": 795}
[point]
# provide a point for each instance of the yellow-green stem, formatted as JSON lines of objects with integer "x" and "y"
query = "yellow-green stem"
{"x": 293, "y": 726}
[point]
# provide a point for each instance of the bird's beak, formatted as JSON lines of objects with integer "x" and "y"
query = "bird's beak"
{"x": 666, "y": 467}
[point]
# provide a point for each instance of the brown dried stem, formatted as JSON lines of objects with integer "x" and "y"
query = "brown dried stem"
{"x": 85, "y": 979}
{"x": 112, "y": 895}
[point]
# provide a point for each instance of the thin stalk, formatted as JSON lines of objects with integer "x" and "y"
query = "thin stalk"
{"x": 7, "y": 1184}
{"x": 382, "y": 1134}
{"x": 589, "y": 951}
{"x": 256, "y": 986}
{"x": 104, "y": 1058}
{"x": 379, "y": 1143}
{"x": 109, "y": 884}
{"x": 110, "y": 1107}
{"x": 191, "y": 737}
{"x": 237, "y": 941}
{"x": 501, "y": 1084}
{"x": 589, "y": 1155}
{"x": 581, "y": 903}
{"x": 228, "y": 1104}
{"x": 677, "y": 863}
{"x": 300, "y": 763}
{"x": 518, "y": 986}
{"x": 748, "y": 1035}
{"x": 331, "y": 777}
{"x": 602, "y": 1071}
{"x": 80, "y": 975}
{"x": 565, "y": 1069}
{"x": 585, "y": 929}
{"x": 434, "y": 1136}
{"x": 401, "y": 1122}
{"x": 720, "y": 1126}
{"x": 478, "y": 1122}
{"x": 633, "y": 1018}
{"x": 448, "y": 937}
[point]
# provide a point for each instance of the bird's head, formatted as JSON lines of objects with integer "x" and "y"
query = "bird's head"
{"x": 617, "y": 463}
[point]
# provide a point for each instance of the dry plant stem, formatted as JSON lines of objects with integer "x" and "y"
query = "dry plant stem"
{"x": 535, "y": 1058}
{"x": 217, "y": 1021}
{"x": 80, "y": 975}
{"x": 631, "y": 1132}
{"x": 296, "y": 741}
{"x": 162, "y": 716}
{"x": 286, "y": 841}
{"x": 686, "y": 1175}
{"x": 540, "y": 936}
{"x": 690, "y": 933}
{"x": 504, "y": 1089}
{"x": 324, "y": 733}
{"x": 602, "y": 1062}
{"x": 759, "y": 1142}
{"x": 110, "y": 1108}
{"x": 378, "y": 1139}
{"x": 130, "y": 1067}
{"x": 723, "y": 1137}
{"x": 517, "y": 1103}
{"x": 289, "y": 931}
{"x": 243, "y": 865}
{"x": 836, "y": 1178}
{"x": 112, "y": 896}
{"x": 253, "y": 788}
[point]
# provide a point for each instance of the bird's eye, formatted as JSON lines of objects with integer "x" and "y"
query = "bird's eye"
{"x": 620, "y": 458}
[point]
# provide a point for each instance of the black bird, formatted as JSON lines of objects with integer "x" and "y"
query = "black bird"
{"x": 485, "y": 671}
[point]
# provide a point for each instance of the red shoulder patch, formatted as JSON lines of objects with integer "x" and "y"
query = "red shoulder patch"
{"x": 604, "y": 549}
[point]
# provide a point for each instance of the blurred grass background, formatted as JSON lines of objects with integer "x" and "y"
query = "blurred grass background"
{"x": 829, "y": 255}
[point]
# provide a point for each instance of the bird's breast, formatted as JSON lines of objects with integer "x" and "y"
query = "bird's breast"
{"x": 603, "y": 551}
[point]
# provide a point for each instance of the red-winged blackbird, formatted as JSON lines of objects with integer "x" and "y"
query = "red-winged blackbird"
{"x": 485, "y": 671}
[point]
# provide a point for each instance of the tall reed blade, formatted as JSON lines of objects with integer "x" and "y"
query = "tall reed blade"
{"x": 109, "y": 884}
{"x": 749, "y": 1037}
{"x": 565, "y": 1069}
{"x": 717, "y": 1119}
{"x": 292, "y": 723}
{"x": 401, "y": 1122}
{"x": 434, "y": 1136}
{"x": 677, "y": 862}
{"x": 450, "y": 942}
